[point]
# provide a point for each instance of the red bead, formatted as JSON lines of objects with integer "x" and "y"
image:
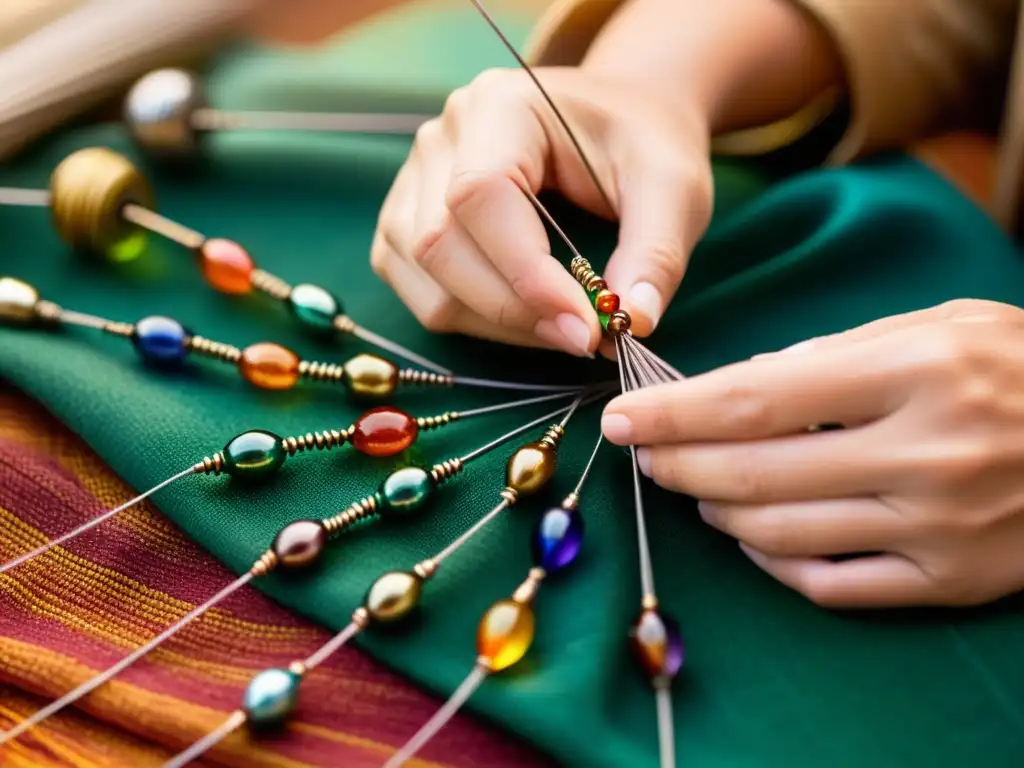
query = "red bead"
{"x": 226, "y": 266}
{"x": 606, "y": 302}
{"x": 384, "y": 431}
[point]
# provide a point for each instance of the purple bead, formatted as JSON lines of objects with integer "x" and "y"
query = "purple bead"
{"x": 657, "y": 644}
{"x": 557, "y": 539}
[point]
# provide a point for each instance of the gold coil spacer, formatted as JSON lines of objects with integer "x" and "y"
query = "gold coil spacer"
{"x": 211, "y": 465}
{"x": 297, "y": 668}
{"x": 361, "y": 617}
{"x": 215, "y": 349}
{"x": 426, "y": 569}
{"x": 571, "y": 501}
{"x": 446, "y": 470}
{"x": 320, "y": 441}
{"x": 272, "y": 285}
{"x": 527, "y": 591}
{"x": 321, "y": 371}
{"x": 88, "y": 190}
{"x": 119, "y": 329}
{"x": 358, "y": 512}
{"x": 48, "y": 312}
{"x": 581, "y": 270}
{"x": 268, "y": 561}
{"x": 343, "y": 324}
{"x": 552, "y": 437}
{"x": 649, "y": 603}
{"x": 423, "y": 378}
{"x": 510, "y": 495}
{"x": 427, "y": 423}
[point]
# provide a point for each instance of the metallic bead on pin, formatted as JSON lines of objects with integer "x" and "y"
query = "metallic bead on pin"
{"x": 371, "y": 376}
{"x": 619, "y": 323}
{"x": 393, "y": 596}
{"x": 300, "y": 544}
{"x": 158, "y": 111}
{"x": 18, "y": 300}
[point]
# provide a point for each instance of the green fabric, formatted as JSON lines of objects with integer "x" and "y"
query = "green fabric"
{"x": 771, "y": 680}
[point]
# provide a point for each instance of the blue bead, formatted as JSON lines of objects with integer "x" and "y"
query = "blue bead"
{"x": 557, "y": 539}
{"x": 270, "y": 697}
{"x": 161, "y": 341}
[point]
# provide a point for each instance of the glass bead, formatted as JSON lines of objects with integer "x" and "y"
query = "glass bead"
{"x": 161, "y": 341}
{"x": 17, "y": 300}
{"x": 393, "y": 596}
{"x": 254, "y": 455}
{"x": 300, "y": 544}
{"x": 606, "y": 302}
{"x": 384, "y": 431}
{"x": 405, "y": 490}
{"x": 529, "y": 469}
{"x": 269, "y": 366}
{"x": 505, "y": 634}
{"x": 226, "y": 266}
{"x": 371, "y": 376}
{"x": 271, "y": 697}
{"x": 657, "y": 644}
{"x": 314, "y": 307}
{"x": 557, "y": 539}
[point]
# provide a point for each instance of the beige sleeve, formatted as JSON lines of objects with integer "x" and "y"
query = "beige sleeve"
{"x": 910, "y": 65}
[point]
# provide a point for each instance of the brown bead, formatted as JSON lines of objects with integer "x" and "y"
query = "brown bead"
{"x": 371, "y": 376}
{"x": 619, "y": 323}
{"x": 606, "y": 302}
{"x": 269, "y": 366}
{"x": 530, "y": 468}
{"x": 299, "y": 544}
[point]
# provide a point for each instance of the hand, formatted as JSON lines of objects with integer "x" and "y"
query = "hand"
{"x": 463, "y": 247}
{"x": 925, "y": 485}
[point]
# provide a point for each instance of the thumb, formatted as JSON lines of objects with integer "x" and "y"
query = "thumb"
{"x": 665, "y": 208}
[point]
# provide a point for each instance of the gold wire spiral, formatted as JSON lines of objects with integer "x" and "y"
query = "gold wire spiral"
{"x": 446, "y": 470}
{"x": 320, "y": 441}
{"x": 585, "y": 275}
{"x": 510, "y": 495}
{"x": 552, "y": 437}
{"x": 272, "y": 285}
{"x": 427, "y": 423}
{"x": 210, "y": 465}
{"x": 358, "y": 512}
{"x": 119, "y": 329}
{"x": 321, "y": 371}
{"x": 87, "y": 192}
{"x": 344, "y": 324}
{"x": 268, "y": 561}
{"x": 215, "y": 349}
{"x": 425, "y": 378}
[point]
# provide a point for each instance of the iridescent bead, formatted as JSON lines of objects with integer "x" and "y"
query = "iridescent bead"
{"x": 606, "y": 302}
{"x": 393, "y": 596}
{"x": 657, "y": 644}
{"x": 161, "y": 341}
{"x": 406, "y": 490}
{"x": 299, "y": 544}
{"x": 269, "y": 366}
{"x": 17, "y": 300}
{"x": 530, "y": 468}
{"x": 384, "y": 431}
{"x": 371, "y": 376}
{"x": 557, "y": 539}
{"x": 315, "y": 307}
{"x": 158, "y": 111}
{"x": 271, "y": 697}
{"x": 254, "y": 455}
{"x": 505, "y": 634}
{"x": 227, "y": 266}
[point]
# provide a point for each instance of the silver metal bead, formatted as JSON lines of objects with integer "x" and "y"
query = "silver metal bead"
{"x": 17, "y": 300}
{"x": 159, "y": 110}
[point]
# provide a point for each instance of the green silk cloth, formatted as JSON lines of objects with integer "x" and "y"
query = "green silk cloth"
{"x": 771, "y": 680}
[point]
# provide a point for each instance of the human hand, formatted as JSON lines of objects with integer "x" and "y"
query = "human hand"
{"x": 463, "y": 247}
{"x": 925, "y": 484}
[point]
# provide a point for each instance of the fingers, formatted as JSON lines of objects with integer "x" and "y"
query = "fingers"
{"x": 882, "y": 581}
{"x": 810, "y": 529}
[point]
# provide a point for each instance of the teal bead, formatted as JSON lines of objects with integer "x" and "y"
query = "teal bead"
{"x": 254, "y": 455}
{"x": 406, "y": 490}
{"x": 315, "y": 307}
{"x": 271, "y": 697}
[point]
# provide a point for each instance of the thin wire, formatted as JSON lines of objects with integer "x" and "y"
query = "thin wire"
{"x": 93, "y": 523}
{"x": 467, "y": 381}
{"x": 328, "y": 122}
{"x": 210, "y": 740}
{"x": 332, "y": 645}
{"x": 590, "y": 464}
{"x": 666, "y": 726}
{"x": 454, "y": 547}
{"x": 98, "y": 680}
{"x": 551, "y": 220}
{"x": 161, "y": 225}
{"x": 558, "y": 114}
{"x": 525, "y": 428}
{"x": 33, "y": 197}
{"x": 653, "y": 359}
{"x": 397, "y": 349}
{"x": 440, "y": 718}
{"x": 71, "y": 317}
{"x": 488, "y": 409}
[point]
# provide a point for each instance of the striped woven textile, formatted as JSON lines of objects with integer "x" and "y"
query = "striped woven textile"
{"x": 81, "y": 608}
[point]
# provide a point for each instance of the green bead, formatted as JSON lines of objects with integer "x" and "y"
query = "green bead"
{"x": 315, "y": 307}
{"x": 603, "y": 318}
{"x": 406, "y": 490}
{"x": 254, "y": 455}
{"x": 270, "y": 697}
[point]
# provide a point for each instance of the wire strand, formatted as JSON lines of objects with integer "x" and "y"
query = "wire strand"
{"x": 397, "y": 349}
{"x": 454, "y": 547}
{"x": 590, "y": 463}
{"x": 468, "y": 381}
{"x": 30, "y": 197}
{"x": 210, "y": 740}
{"x": 332, "y": 646}
{"x": 489, "y": 409}
{"x": 666, "y": 726}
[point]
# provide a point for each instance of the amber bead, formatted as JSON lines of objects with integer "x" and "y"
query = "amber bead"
{"x": 299, "y": 544}
{"x": 606, "y": 302}
{"x": 371, "y": 376}
{"x": 226, "y": 266}
{"x": 269, "y": 366}
{"x": 393, "y": 596}
{"x": 530, "y": 468}
{"x": 505, "y": 634}
{"x": 384, "y": 431}
{"x": 657, "y": 644}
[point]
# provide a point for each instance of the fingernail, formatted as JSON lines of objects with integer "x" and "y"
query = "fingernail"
{"x": 617, "y": 428}
{"x": 647, "y": 299}
{"x": 549, "y": 331}
{"x": 706, "y": 510}
{"x": 643, "y": 458}
{"x": 576, "y": 331}
{"x": 759, "y": 558}
{"x": 803, "y": 346}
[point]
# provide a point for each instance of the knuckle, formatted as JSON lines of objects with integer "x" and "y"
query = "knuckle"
{"x": 378, "y": 256}
{"x": 428, "y": 250}
{"x": 747, "y": 476}
{"x": 955, "y": 352}
{"x": 818, "y": 587}
{"x": 428, "y": 135}
{"x": 747, "y": 408}
{"x": 769, "y": 532}
{"x": 955, "y": 585}
{"x": 497, "y": 80}
{"x": 470, "y": 187}
{"x": 438, "y": 316}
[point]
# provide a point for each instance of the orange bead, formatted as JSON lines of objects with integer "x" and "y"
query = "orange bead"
{"x": 226, "y": 266}
{"x": 269, "y": 366}
{"x": 505, "y": 634}
{"x": 606, "y": 302}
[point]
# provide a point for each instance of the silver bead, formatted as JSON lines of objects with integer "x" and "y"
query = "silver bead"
{"x": 159, "y": 109}
{"x": 17, "y": 300}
